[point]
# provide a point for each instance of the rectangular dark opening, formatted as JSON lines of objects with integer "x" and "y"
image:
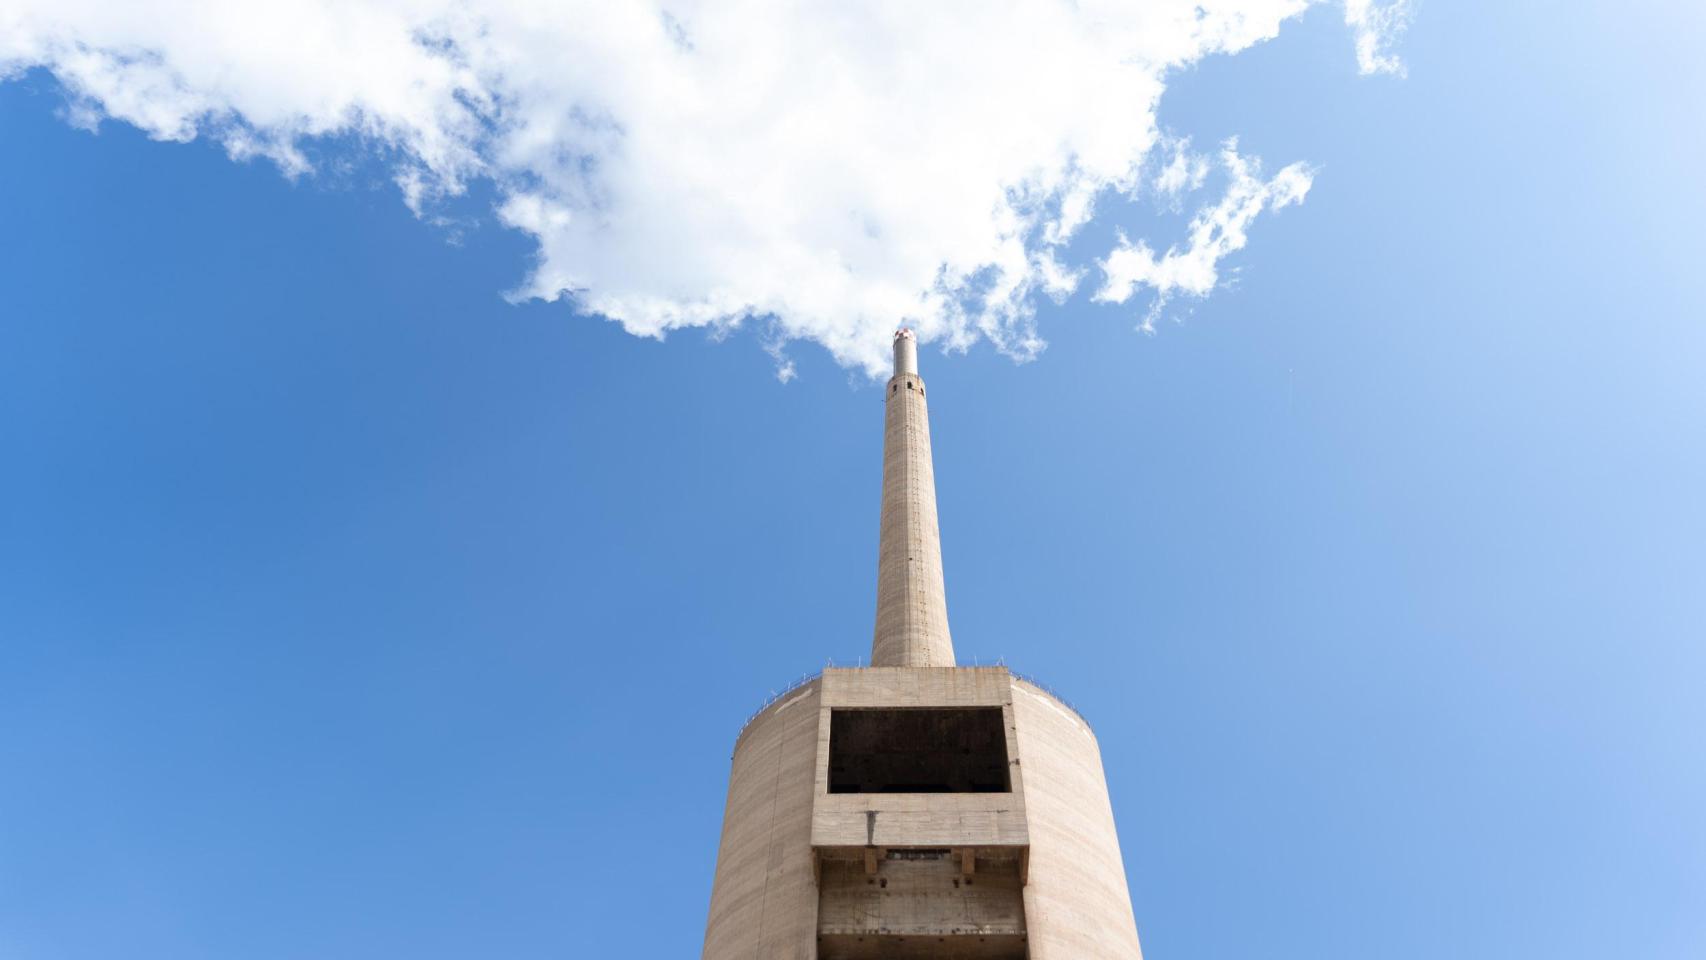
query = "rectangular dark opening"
{"x": 925, "y": 750}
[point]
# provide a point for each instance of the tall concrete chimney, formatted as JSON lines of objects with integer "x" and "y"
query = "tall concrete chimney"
{"x": 912, "y": 605}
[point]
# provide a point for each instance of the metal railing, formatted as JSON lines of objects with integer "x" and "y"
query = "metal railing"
{"x": 1033, "y": 681}
{"x": 775, "y": 696}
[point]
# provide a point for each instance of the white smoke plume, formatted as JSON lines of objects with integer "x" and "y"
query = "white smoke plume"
{"x": 827, "y": 170}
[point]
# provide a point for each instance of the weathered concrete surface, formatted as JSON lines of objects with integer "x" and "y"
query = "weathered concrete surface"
{"x": 764, "y": 899}
{"x": 805, "y": 873}
{"x": 912, "y": 604}
{"x": 992, "y": 947}
{"x": 893, "y": 687}
{"x": 1077, "y": 904}
{"x": 918, "y": 898}
{"x": 916, "y": 819}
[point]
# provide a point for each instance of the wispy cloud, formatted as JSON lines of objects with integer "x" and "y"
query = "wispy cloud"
{"x": 827, "y": 170}
{"x": 1218, "y": 229}
{"x": 1376, "y": 27}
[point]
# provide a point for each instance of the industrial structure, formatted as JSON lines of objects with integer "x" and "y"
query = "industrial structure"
{"x": 915, "y": 808}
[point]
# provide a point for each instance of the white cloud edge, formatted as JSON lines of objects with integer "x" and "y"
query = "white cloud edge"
{"x": 458, "y": 96}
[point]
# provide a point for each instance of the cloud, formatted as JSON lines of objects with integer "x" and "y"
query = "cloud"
{"x": 1182, "y": 172}
{"x": 823, "y": 170}
{"x": 1215, "y": 231}
{"x": 1376, "y": 29}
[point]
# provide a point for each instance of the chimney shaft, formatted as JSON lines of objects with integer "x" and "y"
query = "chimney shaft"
{"x": 905, "y": 353}
{"x": 912, "y": 606}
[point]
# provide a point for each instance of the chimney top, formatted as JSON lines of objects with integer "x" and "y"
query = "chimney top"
{"x": 905, "y": 352}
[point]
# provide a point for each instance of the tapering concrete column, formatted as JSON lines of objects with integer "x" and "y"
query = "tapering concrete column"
{"x": 912, "y": 605}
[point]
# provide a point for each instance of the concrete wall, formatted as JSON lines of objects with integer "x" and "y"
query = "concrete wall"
{"x": 764, "y": 899}
{"x": 919, "y": 899}
{"x": 916, "y": 819}
{"x": 1077, "y": 905}
{"x": 1054, "y": 835}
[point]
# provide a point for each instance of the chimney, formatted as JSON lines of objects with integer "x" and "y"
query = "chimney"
{"x": 912, "y": 606}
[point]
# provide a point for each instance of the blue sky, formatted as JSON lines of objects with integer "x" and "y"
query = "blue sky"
{"x": 349, "y": 610}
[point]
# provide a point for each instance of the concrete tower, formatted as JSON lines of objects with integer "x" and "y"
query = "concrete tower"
{"x": 914, "y": 809}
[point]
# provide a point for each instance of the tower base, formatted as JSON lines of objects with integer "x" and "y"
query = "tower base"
{"x": 940, "y": 812}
